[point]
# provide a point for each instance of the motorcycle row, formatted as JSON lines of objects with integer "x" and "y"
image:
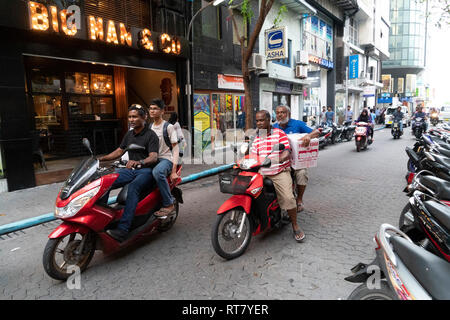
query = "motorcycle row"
{"x": 330, "y": 134}
{"x": 413, "y": 259}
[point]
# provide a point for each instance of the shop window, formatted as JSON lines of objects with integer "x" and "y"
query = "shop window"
{"x": 47, "y": 111}
{"x": 102, "y": 105}
{"x": 101, "y": 84}
{"x": 77, "y": 82}
{"x": 44, "y": 82}
{"x": 210, "y": 23}
{"x": 80, "y": 105}
{"x": 286, "y": 62}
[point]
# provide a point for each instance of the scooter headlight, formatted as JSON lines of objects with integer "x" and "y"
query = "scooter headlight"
{"x": 74, "y": 206}
{"x": 248, "y": 163}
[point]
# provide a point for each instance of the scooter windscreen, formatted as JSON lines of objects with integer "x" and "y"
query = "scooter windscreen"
{"x": 79, "y": 177}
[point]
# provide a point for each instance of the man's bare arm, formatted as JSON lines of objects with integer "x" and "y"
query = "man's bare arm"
{"x": 113, "y": 155}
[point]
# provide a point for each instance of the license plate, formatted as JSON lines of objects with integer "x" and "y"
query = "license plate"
{"x": 395, "y": 125}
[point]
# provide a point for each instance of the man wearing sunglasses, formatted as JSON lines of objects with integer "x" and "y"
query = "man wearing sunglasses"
{"x": 138, "y": 172}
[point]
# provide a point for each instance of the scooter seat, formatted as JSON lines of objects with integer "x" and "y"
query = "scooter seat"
{"x": 268, "y": 185}
{"x": 444, "y": 151}
{"x": 440, "y": 211}
{"x": 122, "y": 196}
{"x": 428, "y": 269}
{"x": 440, "y": 186}
{"x": 443, "y": 160}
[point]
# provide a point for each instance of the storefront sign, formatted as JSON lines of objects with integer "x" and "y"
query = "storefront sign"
{"x": 68, "y": 22}
{"x": 283, "y": 87}
{"x": 321, "y": 62}
{"x": 230, "y": 82}
{"x": 369, "y": 91}
{"x": 314, "y": 77}
{"x": 353, "y": 66}
{"x": 276, "y": 43}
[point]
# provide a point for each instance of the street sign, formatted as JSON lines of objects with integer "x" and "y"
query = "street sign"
{"x": 276, "y": 43}
{"x": 353, "y": 66}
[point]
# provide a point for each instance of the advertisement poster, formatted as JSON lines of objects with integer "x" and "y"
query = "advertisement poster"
{"x": 202, "y": 121}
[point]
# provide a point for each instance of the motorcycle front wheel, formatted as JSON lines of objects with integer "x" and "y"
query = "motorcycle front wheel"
{"x": 60, "y": 258}
{"x": 226, "y": 239}
{"x": 362, "y": 292}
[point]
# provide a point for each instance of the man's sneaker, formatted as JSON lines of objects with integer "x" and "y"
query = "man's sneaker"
{"x": 117, "y": 234}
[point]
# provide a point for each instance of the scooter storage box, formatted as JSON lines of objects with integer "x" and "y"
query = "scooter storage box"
{"x": 232, "y": 182}
{"x": 303, "y": 157}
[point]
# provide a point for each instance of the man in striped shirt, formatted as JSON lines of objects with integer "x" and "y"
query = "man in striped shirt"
{"x": 279, "y": 172}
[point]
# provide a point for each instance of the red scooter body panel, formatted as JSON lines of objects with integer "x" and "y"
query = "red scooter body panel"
{"x": 239, "y": 200}
{"x": 66, "y": 228}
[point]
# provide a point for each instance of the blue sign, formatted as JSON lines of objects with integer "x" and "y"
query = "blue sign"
{"x": 276, "y": 44}
{"x": 353, "y": 66}
{"x": 385, "y": 100}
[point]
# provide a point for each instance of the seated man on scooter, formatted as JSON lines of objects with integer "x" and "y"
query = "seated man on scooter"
{"x": 421, "y": 114}
{"x": 279, "y": 171}
{"x": 138, "y": 171}
{"x": 398, "y": 116}
{"x": 288, "y": 125}
{"x": 168, "y": 156}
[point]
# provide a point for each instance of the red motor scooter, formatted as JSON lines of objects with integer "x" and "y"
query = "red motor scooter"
{"x": 362, "y": 138}
{"x": 252, "y": 209}
{"x": 86, "y": 216}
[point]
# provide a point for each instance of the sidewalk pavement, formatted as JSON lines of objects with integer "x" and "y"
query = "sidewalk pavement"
{"x": 33, "y": 202}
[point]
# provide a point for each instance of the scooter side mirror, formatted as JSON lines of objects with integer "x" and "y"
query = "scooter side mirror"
{"x": 87, "y": 145}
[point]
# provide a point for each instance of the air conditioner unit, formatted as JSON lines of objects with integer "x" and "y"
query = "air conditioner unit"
{"x": 257, "y": 62}
{"x": 301, "y": 72}
{"x": 301, "y": 57}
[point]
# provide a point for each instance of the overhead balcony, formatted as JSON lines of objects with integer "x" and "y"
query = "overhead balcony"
{"x": 347, "y": 5}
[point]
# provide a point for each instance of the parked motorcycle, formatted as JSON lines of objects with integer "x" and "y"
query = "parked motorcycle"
{"x": 348, "y": 130}
{"x": 324, "y": 137}
{"x": 400, "y": 271}
{"x": 252, "y": 209}
{"x": 395, "y": 131}
{"x": 434, "y": 118}
{"x": 362, "y": 138}
{"x": 337, "y": 133}
{"x": 86, "y": 216}
{"x": 426, "y": 220}
{"x": 418, "y": 127}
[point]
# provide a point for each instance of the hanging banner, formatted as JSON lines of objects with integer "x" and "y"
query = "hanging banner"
{"x": 353, "y": 66}
{"x": 276, "y": 43}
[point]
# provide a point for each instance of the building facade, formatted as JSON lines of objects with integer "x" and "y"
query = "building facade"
{"x": 403, "y": 73}
{"x": 364, "y": 44}
{"x": 72, "y": 68}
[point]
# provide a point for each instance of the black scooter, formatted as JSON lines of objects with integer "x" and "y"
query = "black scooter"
{"x": 395, "y": 131}
{"x": 348, "y": 130}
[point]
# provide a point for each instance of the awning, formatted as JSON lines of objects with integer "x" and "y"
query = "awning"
{"x": 347, "y": 5}
{"x": 299, "y": 6}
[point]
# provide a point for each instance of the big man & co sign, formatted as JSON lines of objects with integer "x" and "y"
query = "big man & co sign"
{"x": 67, "y": 22}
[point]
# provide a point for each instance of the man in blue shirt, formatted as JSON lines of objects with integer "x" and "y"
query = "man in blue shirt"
{"x": 288, "y": 125}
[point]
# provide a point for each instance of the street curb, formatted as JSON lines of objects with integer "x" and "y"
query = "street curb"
{"x": 48, "y": 217}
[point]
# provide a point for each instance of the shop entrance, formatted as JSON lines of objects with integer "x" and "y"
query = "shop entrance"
{"x": 71, "y": 100}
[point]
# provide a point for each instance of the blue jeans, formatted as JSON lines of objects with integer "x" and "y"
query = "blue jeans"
{"x": 137, "y": 180}
{"x": 160, "y": 173}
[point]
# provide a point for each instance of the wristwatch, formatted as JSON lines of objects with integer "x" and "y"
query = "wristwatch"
{"x": 142, "y": 163}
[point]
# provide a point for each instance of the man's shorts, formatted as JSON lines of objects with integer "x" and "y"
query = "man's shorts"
{"x": 283, "y": 187}
{"x": 301, "y": 177}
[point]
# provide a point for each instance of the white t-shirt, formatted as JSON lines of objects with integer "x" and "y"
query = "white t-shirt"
{"x": 164, "y": 150}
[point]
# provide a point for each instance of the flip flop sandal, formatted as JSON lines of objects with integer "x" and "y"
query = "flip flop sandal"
{"x": 297, "y": 233}
{"x": 164, "y": 212}
{"x": 300, "y": 207}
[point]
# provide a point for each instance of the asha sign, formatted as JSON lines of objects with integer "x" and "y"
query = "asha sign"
{"x": 276, "y": 43}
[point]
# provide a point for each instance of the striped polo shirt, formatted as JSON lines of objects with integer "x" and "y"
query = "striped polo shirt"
{"x": 263, "y": 145}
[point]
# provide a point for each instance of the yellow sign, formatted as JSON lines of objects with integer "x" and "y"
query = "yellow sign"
{"x": 202, "y": 121}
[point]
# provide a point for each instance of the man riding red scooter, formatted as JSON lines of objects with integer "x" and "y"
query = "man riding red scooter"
{"x": 89, "y": 221}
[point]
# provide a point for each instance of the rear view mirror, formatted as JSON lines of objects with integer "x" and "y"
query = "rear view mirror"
{"x": 87, "y": 144}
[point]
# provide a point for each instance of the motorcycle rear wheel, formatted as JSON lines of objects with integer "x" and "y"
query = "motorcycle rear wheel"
{"x": 59, "y": 270}
{"x": 362, "y": 292}
{"x": 224, "y": 232}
